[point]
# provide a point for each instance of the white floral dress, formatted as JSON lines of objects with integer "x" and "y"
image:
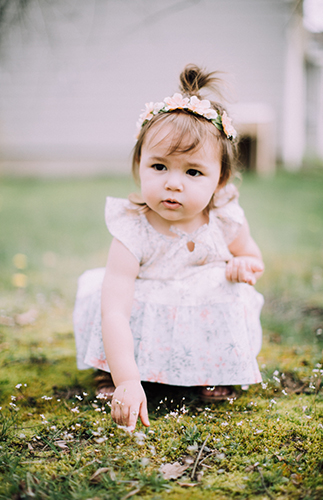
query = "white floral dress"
{"x": 191, "y": 326}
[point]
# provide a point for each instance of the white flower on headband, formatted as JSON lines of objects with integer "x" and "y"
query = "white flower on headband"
{"x": 176, "y": 102}
{"x": 193, "y": 105}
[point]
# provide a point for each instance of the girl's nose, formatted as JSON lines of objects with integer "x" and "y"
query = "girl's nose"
{"x": 174, "y": 182}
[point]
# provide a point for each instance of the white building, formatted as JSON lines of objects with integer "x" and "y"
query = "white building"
{"x": 74, "y": 77}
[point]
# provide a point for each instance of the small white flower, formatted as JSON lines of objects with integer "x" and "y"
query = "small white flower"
{"x": 100, "y": 440}
{"x": 75, "y": 410}
{"x": 18, "y": 386}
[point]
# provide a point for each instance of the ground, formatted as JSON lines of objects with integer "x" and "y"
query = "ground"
{"x": 57, "y": 439}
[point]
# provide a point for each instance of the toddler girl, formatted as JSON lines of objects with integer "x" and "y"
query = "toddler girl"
{"x": 175, "y": 304}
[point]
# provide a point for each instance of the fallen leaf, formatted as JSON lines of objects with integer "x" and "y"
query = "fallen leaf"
{"x": 186, "y": 485}
{"x": 173, "y": 471}
{"x": 131, "y": 494}
{"x": 61, "y": 444}
{"x": 97, "y": 474}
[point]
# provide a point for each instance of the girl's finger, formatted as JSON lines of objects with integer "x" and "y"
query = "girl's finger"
{"x": 242, "y": 273}
{"x": 228, "y": 270}
{"x": 133, "y": 416}
{"x": 117, "y": 412}
{"x": 233, "y": 269}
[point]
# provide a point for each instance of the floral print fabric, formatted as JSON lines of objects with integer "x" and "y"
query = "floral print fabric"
{"x": 190, "y": 325}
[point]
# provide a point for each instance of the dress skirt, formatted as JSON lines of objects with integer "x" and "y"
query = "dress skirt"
{"x": 201, "y": 330}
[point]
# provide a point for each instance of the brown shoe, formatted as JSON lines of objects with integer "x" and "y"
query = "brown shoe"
{"x": 217, "y": 393}
{"x": 104, "y": 385}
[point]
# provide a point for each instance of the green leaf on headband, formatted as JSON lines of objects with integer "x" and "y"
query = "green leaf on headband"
{"x": 218, "y": 123}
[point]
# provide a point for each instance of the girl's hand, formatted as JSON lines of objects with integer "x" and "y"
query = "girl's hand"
{"x": 129, "y": 401}
{"x": 244, "y": 269}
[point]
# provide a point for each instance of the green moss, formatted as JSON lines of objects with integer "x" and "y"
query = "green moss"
{"x": 53, "y": 437}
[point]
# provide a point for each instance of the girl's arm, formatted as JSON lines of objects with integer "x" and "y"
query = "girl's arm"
{"x": 129, "y": 400}
{"x": 246, "y": 266}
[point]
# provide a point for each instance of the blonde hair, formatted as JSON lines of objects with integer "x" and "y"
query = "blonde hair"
{"x": 189, "y": 131}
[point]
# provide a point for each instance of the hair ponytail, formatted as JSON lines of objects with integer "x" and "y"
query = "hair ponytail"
{"x": 193, "y": 79}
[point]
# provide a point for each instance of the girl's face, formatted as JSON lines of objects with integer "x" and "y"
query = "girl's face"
{"x": 179, "y": 186}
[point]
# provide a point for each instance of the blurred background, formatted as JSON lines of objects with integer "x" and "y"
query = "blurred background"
{"x": 75, "y": 74}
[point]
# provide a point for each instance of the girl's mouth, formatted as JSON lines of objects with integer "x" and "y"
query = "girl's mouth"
{"x": 171, "y": 204}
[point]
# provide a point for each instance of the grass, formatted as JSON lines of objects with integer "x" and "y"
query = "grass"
{"x": 58, "y": 441}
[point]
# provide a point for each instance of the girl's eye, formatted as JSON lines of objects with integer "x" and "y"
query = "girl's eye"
{"x": 159, "y": 167}
{"x": 193, "y": 173}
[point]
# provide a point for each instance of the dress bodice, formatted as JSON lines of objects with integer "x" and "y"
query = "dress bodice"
{"x": 181, "y": 254}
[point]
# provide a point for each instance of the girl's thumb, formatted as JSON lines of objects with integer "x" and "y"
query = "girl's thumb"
{"x": 257, "y": 267}
{"x": 144, "y": 414}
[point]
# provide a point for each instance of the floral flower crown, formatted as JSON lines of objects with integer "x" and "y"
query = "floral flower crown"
{"x": 193, "y": 105}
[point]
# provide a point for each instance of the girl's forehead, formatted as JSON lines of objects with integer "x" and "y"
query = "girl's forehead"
{"x": 166, "y": 140}
{"x": 160, "y": 137}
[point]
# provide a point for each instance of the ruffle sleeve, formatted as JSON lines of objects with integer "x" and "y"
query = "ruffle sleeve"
{"x": 124, "y": 223}
{"x": 229, "y": 214}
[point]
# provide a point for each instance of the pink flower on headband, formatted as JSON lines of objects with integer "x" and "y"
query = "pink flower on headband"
{"x": 176, "y": 102}
{"x": 228, "y": 129}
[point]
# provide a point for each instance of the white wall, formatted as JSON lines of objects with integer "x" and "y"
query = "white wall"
{"x": 74, "y": 79}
